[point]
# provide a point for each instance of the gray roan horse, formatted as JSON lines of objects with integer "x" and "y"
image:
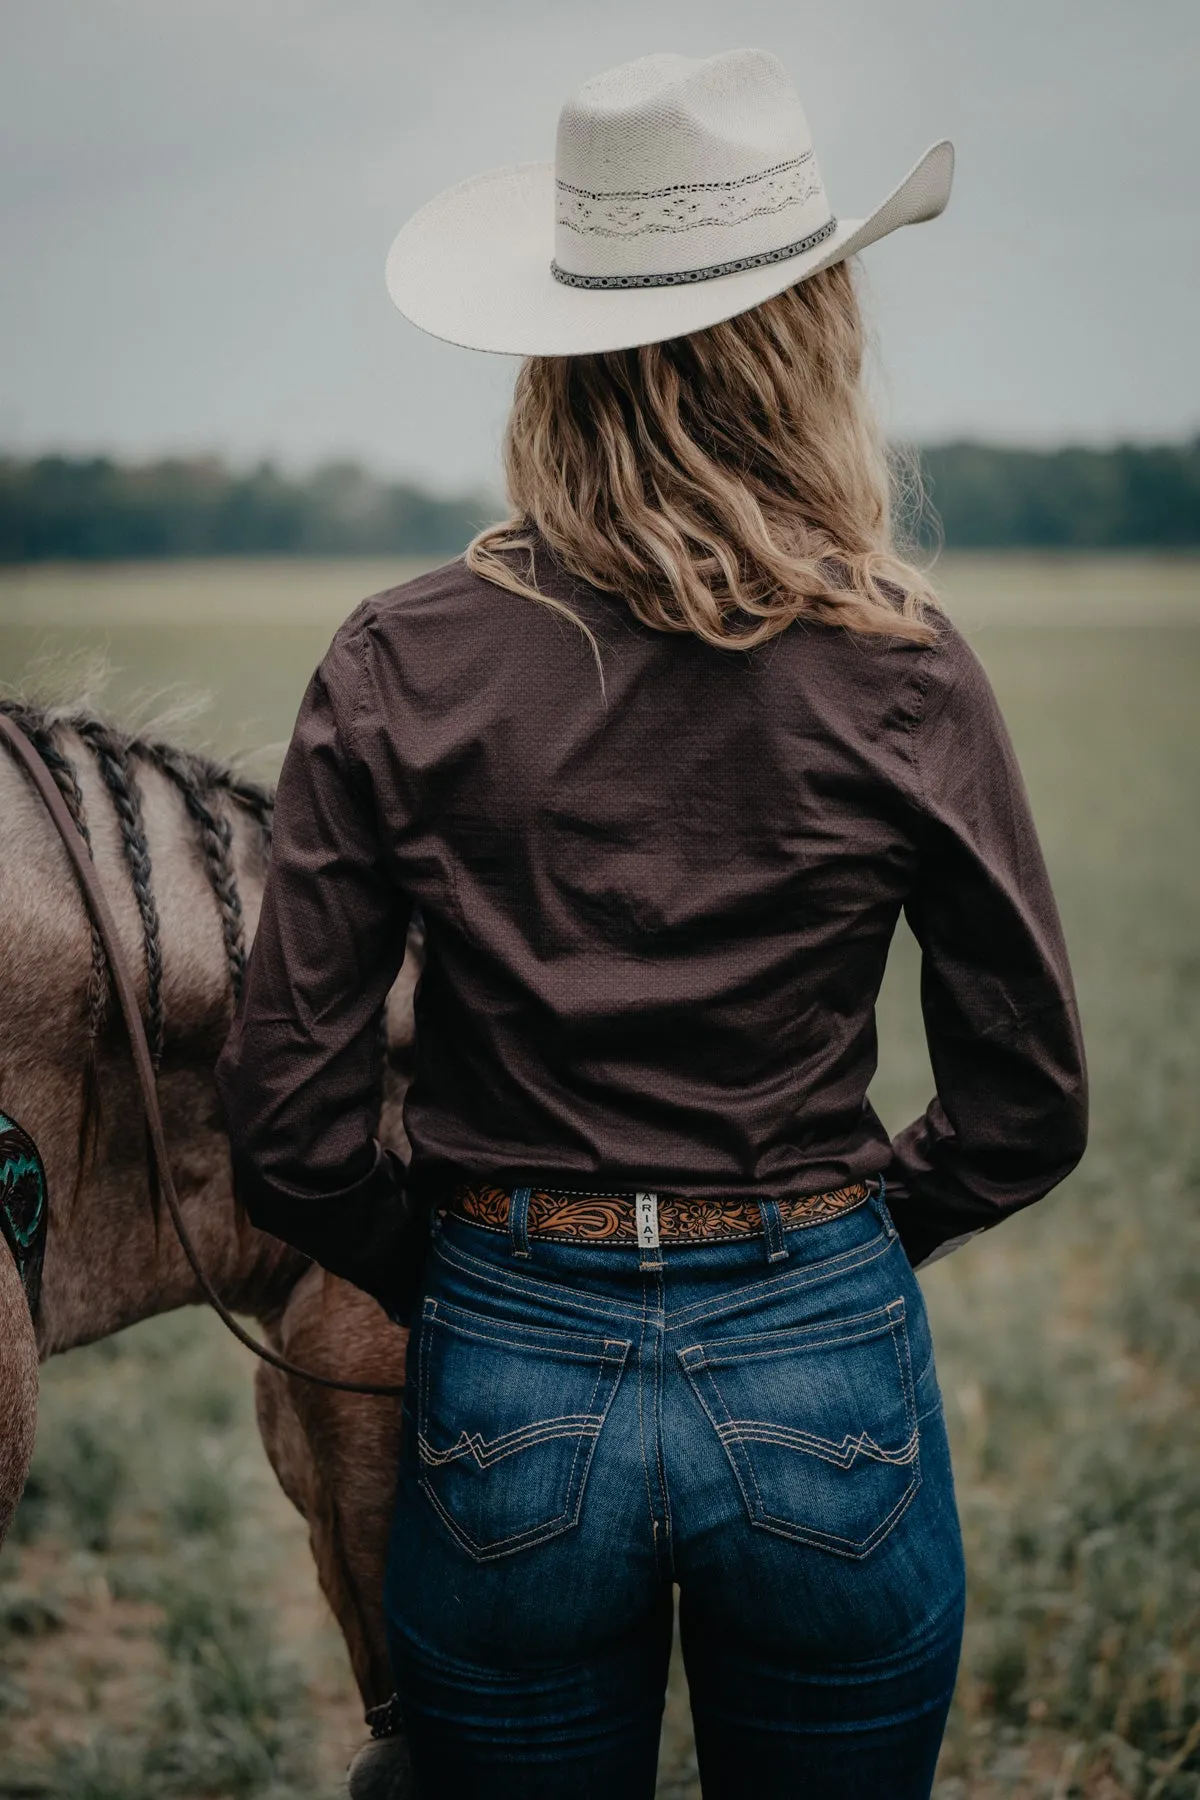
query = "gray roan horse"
{"x": 181, "y": 844}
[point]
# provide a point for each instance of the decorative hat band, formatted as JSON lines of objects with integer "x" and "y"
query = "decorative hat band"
{"x": 689, "y": 230}
{"x": 676, "y": 277}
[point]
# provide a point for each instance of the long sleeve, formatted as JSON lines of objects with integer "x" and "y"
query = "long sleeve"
{"x": 300, "y": 1076}
{"x": 1010, "y": 1117}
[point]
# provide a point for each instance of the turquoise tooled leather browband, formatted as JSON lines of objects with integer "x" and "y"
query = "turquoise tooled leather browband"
{"x": 23, "y": 1205}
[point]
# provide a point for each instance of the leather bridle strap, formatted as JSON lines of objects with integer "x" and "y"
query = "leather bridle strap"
{"x": 160, "y": 1167}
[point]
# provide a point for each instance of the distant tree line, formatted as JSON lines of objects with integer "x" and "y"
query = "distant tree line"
{"x": 1144, "y": 497}
{"x": 93, "y": 509}
{"x": 978, "y": 496}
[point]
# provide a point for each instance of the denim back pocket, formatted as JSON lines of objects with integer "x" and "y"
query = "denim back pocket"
{"x": 819, "y": 1424}
{"x": 508, "y": 1416}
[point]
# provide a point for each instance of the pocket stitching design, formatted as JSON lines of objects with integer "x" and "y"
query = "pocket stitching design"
{"x": 760, "y": 1431}
{"x": 544, "y": 1529}
{"x": 729, "y": 1437}
{"x": 526, "y": 1436}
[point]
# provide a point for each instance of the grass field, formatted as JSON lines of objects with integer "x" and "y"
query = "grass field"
{"x": 160, "y": 1631}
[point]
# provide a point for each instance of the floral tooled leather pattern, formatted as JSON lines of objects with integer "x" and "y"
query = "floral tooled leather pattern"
{"x": 610, "y": 1217}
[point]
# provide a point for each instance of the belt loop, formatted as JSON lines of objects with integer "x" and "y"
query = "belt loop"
{"x": 518, "y": 1220}
{"x": 883, "y": 1209}
{"x": 772, "y": 1224}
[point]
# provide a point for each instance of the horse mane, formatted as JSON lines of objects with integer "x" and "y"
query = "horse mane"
{"x": 207, "y": 788}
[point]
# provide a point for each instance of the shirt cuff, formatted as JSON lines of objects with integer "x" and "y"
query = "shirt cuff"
{"x": 927, "y": 1231}
{"x": 370, "y": 1233}
{"x": 948, "y": 1245}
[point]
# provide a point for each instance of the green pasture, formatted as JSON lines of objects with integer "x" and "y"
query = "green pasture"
{"x": 160, "y": 1631}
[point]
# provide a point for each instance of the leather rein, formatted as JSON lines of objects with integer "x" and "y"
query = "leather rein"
{"x": 160, "y": 1166}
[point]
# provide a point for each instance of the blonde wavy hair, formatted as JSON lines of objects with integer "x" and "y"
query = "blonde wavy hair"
{"x": 725, "y": 483}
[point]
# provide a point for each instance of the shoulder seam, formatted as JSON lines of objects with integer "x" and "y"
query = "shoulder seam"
{"x": 916, "y": 718}
{"x": 355, "y": 629}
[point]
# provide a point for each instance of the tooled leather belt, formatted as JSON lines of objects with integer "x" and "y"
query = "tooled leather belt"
{"x": 612, "y": 1218}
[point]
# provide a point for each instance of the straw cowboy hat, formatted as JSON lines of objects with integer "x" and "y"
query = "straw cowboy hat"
{"x": 683, "y": 191}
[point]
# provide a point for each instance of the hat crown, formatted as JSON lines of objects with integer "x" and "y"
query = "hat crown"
{"x": 673, "y": 165}
{"x": 695, "y": 119}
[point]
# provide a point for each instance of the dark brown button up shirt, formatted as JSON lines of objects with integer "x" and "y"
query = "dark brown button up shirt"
{"x": 657, "y": 921}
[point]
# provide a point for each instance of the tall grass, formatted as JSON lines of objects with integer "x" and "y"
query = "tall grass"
{"x": 1068, "y": 1342}
{"x": 142, "y": 1597}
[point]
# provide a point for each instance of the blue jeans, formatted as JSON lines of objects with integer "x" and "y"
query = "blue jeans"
{"x": 588, "y": 1426}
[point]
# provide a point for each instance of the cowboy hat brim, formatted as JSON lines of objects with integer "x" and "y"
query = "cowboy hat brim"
{"x": 473, "y": 267}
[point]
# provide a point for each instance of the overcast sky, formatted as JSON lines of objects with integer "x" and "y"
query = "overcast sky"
{"x": 198, "y": 196}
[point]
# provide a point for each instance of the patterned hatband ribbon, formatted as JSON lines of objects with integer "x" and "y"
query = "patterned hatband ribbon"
{"x": 612, "y": 1218}
{"x": 684, "y": 277}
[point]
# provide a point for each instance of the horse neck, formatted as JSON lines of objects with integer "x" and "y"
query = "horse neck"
{"x": 111, "y": 1258}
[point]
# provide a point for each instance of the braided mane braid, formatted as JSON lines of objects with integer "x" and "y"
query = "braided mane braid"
{"x": 114, "y": 763}
{"x": 202, "y": 784}
{"x": 198, "y": 779}
{"x": 216, "y": 843}
{"x": 34, "y": 725}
